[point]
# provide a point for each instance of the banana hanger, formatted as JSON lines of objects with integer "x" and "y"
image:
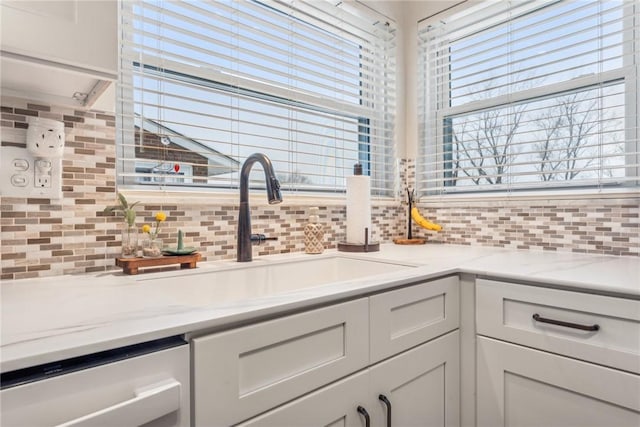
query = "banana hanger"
{"x": 410, "y": 240}
{"x": 411, "y": 195}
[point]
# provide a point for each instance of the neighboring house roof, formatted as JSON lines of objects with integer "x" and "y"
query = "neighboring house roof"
{"x": 218, "y": 163}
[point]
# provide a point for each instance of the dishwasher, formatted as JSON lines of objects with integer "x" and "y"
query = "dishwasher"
{"x": 144, "y": 384}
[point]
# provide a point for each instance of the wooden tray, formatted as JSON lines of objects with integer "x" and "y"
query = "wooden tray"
{"x": 416, "y": 241}
{"x": 131, "y": 265}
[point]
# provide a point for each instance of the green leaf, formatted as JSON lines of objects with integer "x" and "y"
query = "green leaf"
{"x": 123, "y": 201}
{"x": 130, "y": 217}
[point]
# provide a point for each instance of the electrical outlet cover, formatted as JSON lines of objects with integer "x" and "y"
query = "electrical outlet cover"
{"x": 19, "y": 176}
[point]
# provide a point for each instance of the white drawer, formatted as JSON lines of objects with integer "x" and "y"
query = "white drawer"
{"x": 245, "y": 371}
{"x": 520, "y": 314}
{"x": 407, "y": 317}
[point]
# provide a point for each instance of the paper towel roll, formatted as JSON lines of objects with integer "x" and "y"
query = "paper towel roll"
{"x": 358, "y": 208}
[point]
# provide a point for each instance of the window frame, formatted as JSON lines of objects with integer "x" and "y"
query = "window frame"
{"x": 253, "y": 89}
{"x": 627, "y": 74}
{"x": 363, "y": 142}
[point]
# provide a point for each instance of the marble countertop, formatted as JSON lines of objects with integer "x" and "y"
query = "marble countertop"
{"x": 49, "y": 319}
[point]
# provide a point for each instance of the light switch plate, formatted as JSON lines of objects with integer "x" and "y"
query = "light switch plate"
{"x": 19, "y": 176}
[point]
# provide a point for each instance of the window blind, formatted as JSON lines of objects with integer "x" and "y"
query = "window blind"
{"x": 522, "y": 95}
{"x": 204, "y": 84}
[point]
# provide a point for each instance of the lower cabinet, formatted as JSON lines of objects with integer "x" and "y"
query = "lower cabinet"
{"x": 419, "y": 387}
{"x": 331, "y": 365}
{"x": 422, "y": 385}
{"x": 246, "y": 371}
{"x": 334, "y": 405}
{"x": 519, "y": 386}
{"x": 551, "y": 357}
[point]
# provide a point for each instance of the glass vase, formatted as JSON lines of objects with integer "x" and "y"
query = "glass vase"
{"x": 129, "y": 242}
{"x": 151, "y": 247}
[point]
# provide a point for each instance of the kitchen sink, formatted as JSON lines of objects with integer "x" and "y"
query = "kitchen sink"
{"x": 258, "y": 280}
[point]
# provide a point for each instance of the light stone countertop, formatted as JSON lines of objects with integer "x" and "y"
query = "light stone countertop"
{"x": 49, "y": 319}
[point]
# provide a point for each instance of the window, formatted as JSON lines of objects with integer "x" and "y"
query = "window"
{"x": 204, "y": 84}
{"x": 525, "y": 95}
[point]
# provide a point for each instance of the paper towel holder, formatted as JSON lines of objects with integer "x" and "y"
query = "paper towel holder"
{"x": 358, "y": 247}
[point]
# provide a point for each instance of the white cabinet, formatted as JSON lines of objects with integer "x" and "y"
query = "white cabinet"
{"x": 319, "y": 367}
{"x": 243, "y": 372}
{"x": 334, "y": 405}
{"x": 60, "y": 52}
{"x": 406, "y": 317}
{"x": 564, "y": 358}
{"x": 419, "y": 387}
{"x": 519, "y": 386}
{"x": 77, "y": 33}
{"x": 596, "y": 328}
{"x": 422, "y": 385}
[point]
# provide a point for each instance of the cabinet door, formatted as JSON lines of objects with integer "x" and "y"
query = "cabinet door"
{"x": 410, "y": 316}
{"x": 422, "y": 385}
{"x": 335, "y": 406}
{"x": 246, "y": 371}
{"x": 72, "y": 32}
{"x": 519, "y": 386}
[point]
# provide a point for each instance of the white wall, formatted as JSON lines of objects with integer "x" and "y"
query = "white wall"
{"x": 406, "y": 14}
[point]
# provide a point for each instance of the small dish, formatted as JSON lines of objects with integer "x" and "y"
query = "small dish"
{"x": 187, "y": 250}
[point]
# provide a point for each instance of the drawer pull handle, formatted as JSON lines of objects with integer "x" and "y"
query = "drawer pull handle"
{"x": 387, "y": 403}
{"x": 148, "y": 405}
{"x": 365, "y": 414}
{"x": 537, "y": 318}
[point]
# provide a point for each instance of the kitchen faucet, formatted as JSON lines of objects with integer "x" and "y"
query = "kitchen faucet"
{"x": 244, "y": 219}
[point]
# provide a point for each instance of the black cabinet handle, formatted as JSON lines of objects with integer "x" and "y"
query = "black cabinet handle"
{"x": 387, "y": 403}
{"x": 537, "y": 318}
{"x": 365, "y": 414}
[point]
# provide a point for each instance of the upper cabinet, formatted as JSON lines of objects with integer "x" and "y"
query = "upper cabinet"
{"x": 59, "y": 51}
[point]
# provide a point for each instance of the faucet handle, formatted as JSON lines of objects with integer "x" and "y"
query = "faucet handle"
{"x": 257, "y": 239}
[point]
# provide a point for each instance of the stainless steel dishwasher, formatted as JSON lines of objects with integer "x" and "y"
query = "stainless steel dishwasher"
{"x": 143, "y": 384}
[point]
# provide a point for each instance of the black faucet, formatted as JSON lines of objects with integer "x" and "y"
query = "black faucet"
{"x": 244, "y": 217}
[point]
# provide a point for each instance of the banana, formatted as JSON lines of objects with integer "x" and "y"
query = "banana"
{"x": 423, "y": 222}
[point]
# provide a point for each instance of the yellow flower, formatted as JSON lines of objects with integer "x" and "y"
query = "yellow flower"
{"x": 160, "y": 217}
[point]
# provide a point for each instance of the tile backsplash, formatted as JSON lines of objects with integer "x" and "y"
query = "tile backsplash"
{"x": 42, "y": 237}
{"x": 609, "y": 227}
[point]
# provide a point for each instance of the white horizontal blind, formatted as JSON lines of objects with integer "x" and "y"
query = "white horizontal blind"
{"x": 204, "y": 84}
{"x": 521, "y": 95}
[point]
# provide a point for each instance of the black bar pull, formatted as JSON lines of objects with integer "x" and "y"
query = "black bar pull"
{"x": 537, "y": 318}
{"x": 365, "y": 414}
{"x": 387, "y": 403}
